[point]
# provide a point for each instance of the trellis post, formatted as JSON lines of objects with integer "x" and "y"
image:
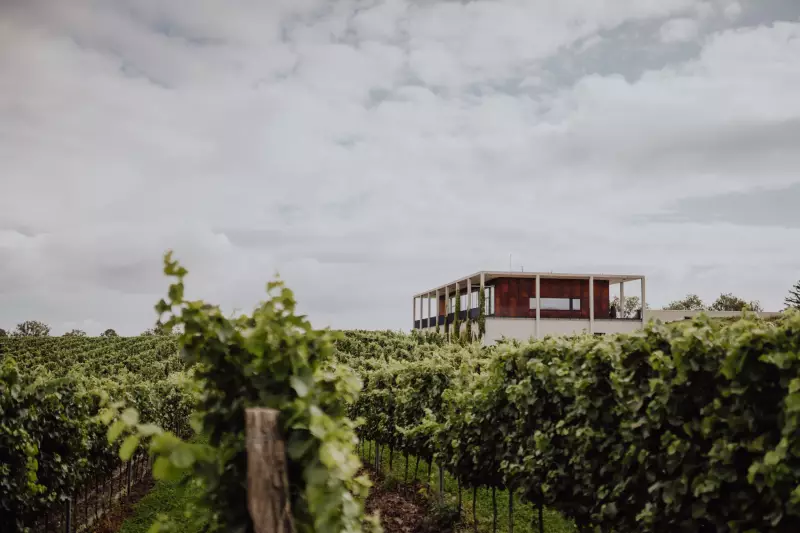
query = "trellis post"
{"x": 267, "y": 473}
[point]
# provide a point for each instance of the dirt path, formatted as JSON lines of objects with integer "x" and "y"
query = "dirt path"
{"x": 112, "y": 521}
{"x": 405, "y": 508}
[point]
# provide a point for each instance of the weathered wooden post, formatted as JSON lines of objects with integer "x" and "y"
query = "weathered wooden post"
{"x": 441, "y": 483}
{"x": 267, "y": 476}
{"x": 68, "y": 515}
{"x": 130, "y": 477}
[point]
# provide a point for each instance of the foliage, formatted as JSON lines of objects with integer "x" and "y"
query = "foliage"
{"x": 691, "y": 302}
{"x": 3, "y": 333}
{"x": 682, "y": 427}
{"x": 75, "y": 333}
{"x": 158, "y": 329}
{"x": 109, "y": 333}
{"x": 632, "y": 305}
{"x": 51, "y": 389}
{"x": 32, "y": 328}
{"x": 271, "y": 359}
{"x": 793, "y": 299}
{"x": 729, "y": 302}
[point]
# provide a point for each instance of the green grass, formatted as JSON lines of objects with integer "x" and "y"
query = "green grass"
{"x": 525, "y": 515}
{"x": 167, "y": 498}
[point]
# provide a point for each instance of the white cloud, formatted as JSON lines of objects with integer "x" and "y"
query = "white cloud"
{"x": 369, "y": 153}
{"x": 679, "y": 30}
{"x": 733, "y": 10}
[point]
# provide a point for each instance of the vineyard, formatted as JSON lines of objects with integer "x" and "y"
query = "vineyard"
{"x": 53, "y": 447}
{"x": 691, "y": 427}
{"x": 687, "y": 427}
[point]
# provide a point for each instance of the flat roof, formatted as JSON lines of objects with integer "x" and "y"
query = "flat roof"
{"x": 495, "y": 274}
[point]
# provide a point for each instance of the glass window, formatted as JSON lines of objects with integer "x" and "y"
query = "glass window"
{"x": 557, "y": 304}
{"x": 533, "y": 303}
{"x": 576, "y": 304}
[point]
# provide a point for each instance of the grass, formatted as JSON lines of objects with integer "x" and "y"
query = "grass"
{"x": 525, "y": 516}
{"x": 166, "y": 498}
{"x": 170, "y": 499}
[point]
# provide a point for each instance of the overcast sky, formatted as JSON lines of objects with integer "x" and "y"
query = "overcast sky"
{"x": 369, "y": 150}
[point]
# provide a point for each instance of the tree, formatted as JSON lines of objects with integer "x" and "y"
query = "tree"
{"x": 75, "y": 333}
{"x": 32, "y": 328}
{"x": 158, "y": 329}
{"x": 793, "y": 300}
{"x": 729, "y": 302}
{"x": 632, "y": 304}
{"x": 3, "y": 333}
{"x": 109, "y": 333}
{"x": 691, "y": 302}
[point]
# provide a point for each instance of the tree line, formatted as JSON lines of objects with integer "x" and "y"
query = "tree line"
{"x": 691, "y": 302}
{"x": 36, "y": 328}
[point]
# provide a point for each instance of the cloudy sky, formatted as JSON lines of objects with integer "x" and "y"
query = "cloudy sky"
{"x": 368, "y": 150}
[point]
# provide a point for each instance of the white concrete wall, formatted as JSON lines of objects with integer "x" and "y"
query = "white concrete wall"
{"x": 610, "y": 327}
{"x": 525, "y": 328}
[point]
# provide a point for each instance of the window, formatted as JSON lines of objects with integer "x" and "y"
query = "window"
{"x": 558, "y": 304}
{"x": 489, "y": 291}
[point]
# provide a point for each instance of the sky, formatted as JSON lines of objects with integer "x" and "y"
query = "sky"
{"x": 366, "y": 151}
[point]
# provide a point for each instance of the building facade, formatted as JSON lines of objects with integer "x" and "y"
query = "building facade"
{"x": 522, "y": 305}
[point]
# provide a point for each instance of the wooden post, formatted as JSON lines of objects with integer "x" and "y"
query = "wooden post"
{"x": 68, "y": 515}
{"x": 541, "y": 519}
{"x": 441, "y": 483}
{"x": 267, "y": 477}
{"x": 130, "y": 477}
{"x": 458, "y": 482}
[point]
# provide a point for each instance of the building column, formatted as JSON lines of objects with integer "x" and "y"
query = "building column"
{"x": 591, "y": 304}
{"x": 429, "y": 310}
{"x": 622, "y": 299}
{"x": 644, "y": 303}
{"x": 469, "y": 299}
{"x": 437, "y": 307}
{"x": 421, "y": 298}
{"x": 413, "y": 313}
{"x": 538, "y": 305}
{"x": 446, "y": 303}
{"x": 483, "y": 291}
{"x": 456, "y": 306}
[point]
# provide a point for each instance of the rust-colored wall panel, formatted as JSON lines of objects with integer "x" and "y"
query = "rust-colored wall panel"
{"x": 501, "y": 297}
{"x": 512, "y": 297}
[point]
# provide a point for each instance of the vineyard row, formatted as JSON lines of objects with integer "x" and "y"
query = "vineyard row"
{"x": 687, "y": 427}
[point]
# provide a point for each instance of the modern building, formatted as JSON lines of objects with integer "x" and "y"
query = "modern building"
{"x": 524, "y": 305}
